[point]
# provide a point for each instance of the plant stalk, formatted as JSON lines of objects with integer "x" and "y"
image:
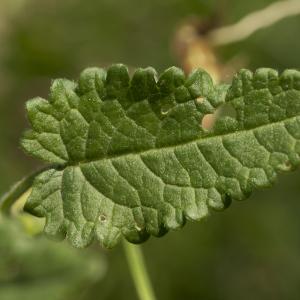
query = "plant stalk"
{"x": 138, "y": 271}
{"x": 17, "y": 190}
{"x": 254, "y": 22}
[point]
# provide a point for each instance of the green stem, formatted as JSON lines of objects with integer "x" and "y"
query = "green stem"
{"x": 138, "y": 271}
{"x": 17, "y": 190}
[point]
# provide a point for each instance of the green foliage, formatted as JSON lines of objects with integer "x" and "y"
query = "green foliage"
{"x": 132, "y": 159}
{"x": 36, "y": 268}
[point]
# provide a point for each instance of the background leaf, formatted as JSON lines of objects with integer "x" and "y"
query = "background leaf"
{"x": 22, "y": 267}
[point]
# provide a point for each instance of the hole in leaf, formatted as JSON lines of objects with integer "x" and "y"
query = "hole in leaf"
{"x": 227, "y": 122}
{"x": 208, "y": 121}
{"x": 227, "y": 110}
{"x": 102, "y": 218}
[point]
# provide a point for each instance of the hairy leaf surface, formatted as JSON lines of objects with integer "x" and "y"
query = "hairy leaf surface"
{"x": 132, "y": 158}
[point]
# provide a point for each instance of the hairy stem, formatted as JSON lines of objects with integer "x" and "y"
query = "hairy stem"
{"x": 17, "y": 190}
{"x": 138, "y": 271}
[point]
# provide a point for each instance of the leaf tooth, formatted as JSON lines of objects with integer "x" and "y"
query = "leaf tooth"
{"x": 82, "y": 237}
{"x": 108, "y": 235}
{"x": 194, "y": 204}
{"x": 215, "y": 200}
{"x": 143, "y": 84}
{"x": 54, "y": 229}
{"x": 117, "y": 80}
{"x": 241, "y": 83}
{"x": 199, "y": 84}
{"x": 219, "y": 96}
{"x": 33, "y": 147}
{"x": 136, "y": 234}
{"x": 182, "y": 94}
{"x": 290, "y": 79}
{"x": 173, "y": 218}
{"x": 153, "y": 221}
{"x": 265, "y": 78}
{"x": 92, "y": 79}
{"x": 37, "y": 102}
{"x": 63, "y": 96}
{"x": 39, "y": 115}
{"x": 171, "y": 79}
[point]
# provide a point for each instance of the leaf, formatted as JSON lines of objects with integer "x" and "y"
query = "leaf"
{"x": 133, "y": 159}
{"x": 35, "y": 268}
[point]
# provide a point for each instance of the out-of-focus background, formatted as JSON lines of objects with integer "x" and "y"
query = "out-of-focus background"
{"x": 250, "y": 251}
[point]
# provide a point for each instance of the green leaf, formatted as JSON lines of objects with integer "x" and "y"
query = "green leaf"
{"x": 33, "y": 267}
{"x": 134, "y": 160}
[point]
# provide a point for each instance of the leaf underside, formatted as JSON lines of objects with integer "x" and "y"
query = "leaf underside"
{"x": 131, "y": 157}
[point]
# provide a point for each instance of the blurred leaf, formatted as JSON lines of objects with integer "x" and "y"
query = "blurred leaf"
{"x": 36, "y": 268}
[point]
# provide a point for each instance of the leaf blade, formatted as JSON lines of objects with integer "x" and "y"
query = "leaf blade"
{"x": 147, "y": 165}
